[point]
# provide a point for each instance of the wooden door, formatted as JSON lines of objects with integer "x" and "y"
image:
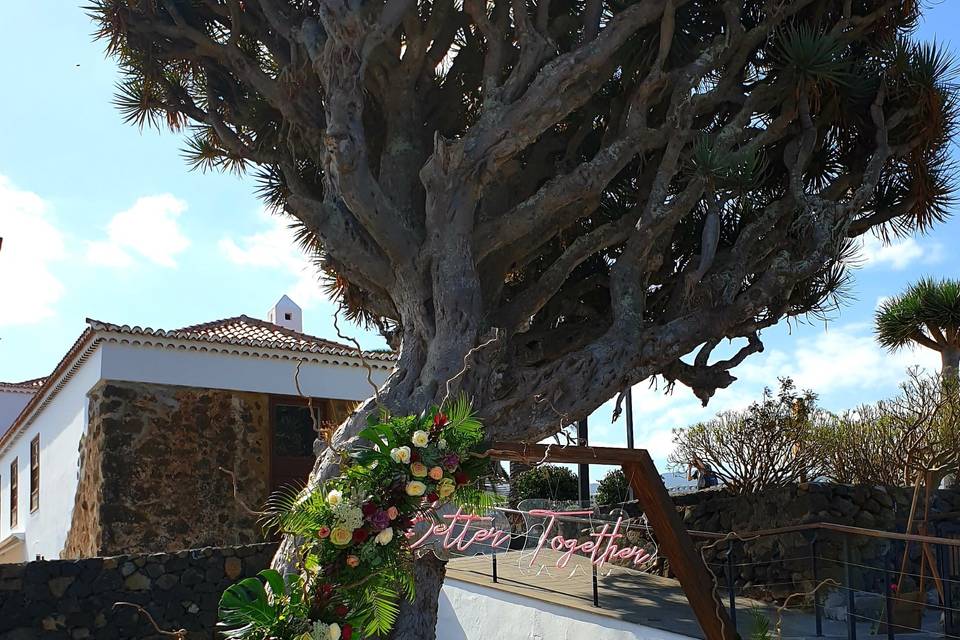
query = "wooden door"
{"x": 292, "y": 435}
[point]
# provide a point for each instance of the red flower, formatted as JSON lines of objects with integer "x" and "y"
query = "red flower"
{"x": 341, "y": 610}
{"x": 346, "y": 632}
{"x": 360, "y": 536}
{"x": 325, "y": 590}
{"x": 461, "y": 477}
{"x": 432, "y": 497}
{"x": 368, "y": 509}
{"x": 414, "y": 456}
{"x": 439, "y": 419}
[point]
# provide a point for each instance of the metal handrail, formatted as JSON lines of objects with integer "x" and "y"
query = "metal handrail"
{"x": 762, "y": 533}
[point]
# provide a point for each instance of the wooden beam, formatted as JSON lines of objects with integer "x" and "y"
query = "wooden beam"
{"x": 673, "y": 540}
{"x": 520, "y": 452}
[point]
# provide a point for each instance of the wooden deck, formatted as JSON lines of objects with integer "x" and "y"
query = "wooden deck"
{"x": 625, "y": 594}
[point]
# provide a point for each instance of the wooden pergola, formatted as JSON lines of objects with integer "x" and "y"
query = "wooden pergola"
{"x": 648, "y": 488}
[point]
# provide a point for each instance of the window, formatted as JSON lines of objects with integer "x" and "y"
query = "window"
{"x": 35, "y": 474}
{"x": 13, "y": 494}
{"x": 293, "y": 432}
{"x": 288, "y": 316}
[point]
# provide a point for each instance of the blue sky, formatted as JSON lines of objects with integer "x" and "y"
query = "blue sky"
{"x": 102, "y": 220}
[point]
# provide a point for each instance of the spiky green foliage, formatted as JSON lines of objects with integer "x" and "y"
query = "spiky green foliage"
{"x": 759, "y": 624}
{"x": 258, "y": 81}
{"x": 927, "y": 313}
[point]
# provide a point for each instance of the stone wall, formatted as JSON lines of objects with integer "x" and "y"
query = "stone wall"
{"x": 150, "y": 477}
{"x": 48, "y": 600}
{"x": 781, "y": 564}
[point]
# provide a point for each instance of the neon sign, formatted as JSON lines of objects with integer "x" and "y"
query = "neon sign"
{"x": 460, "y": 532}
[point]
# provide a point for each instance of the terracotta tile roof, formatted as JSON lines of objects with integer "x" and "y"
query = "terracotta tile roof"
{"x": 247, "y": 331}
{"x": 239, "y": 330}
{"x": 27, "y": 386}
{"x": 247, "y": 328}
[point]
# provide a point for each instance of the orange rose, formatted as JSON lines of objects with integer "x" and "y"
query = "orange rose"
{"x": 436, "y": 473}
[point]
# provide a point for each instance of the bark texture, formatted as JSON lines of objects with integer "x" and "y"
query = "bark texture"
{"x": 543, "y": 202}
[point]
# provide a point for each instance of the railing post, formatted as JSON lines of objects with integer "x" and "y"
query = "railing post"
{"x": 817, "y": 607}
{"x": 731, "y": 584}
{"x": 596, "y": 588}
{"x": 888, "y": 600}
{"x": 494, "y": 563}
{"x": 851, "y": 600}
{"x": 943, "y": 559}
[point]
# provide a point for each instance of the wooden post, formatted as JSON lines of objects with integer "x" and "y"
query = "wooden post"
{"x": 673, "y": 540}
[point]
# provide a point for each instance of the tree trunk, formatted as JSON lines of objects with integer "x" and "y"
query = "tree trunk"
{"x": 418, "y": 382}
{"x": 950, "y": 375}
{"x": 950, "y": 363}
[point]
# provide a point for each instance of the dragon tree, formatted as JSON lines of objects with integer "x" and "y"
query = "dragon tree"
{"x": 542, "y": 202}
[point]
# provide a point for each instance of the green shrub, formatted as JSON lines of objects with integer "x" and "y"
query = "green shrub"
{"x": 612, "y": 488}
{"x": 550, "y": 482}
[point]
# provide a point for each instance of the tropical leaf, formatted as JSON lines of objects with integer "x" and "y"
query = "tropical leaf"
{"x": 246, "y": 606}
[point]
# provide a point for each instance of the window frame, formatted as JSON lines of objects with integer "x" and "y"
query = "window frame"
{"x": 14, "y": 490}
{"x": 35, "y": 474}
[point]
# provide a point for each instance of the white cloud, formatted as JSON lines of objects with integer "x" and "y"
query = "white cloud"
{"x": 899, "y": 254}
{"x": 845, "y": 357}
{"x": 149, "y": 228}
{"x": 843, "y": 364}
{"x": 31, "y": 243}
{"x": 275, "y": 247}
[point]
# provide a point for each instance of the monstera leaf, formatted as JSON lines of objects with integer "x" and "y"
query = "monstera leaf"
{"x": 252, "y": 607}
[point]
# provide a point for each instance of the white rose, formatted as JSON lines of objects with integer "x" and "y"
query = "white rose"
{"x": 401, "y": 455}
{"x": 334, "y": 631}
{"x": 420, "y": 438}
{"x": 384, "y": 537}
{"x": 334, "y": 498}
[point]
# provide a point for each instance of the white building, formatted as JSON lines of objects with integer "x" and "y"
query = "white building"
{"x": 132, "y": 428}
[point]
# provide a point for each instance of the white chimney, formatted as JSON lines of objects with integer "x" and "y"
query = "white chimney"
{"x": 287, "y": 314}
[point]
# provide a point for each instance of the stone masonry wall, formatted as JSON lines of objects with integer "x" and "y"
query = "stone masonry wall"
{"x": 150, "y": 477}
{"x": 779, "y": 565}
{"x": 74, "y": 599}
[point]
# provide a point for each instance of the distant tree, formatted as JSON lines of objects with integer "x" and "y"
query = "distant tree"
{"x": 895, "y": 441}
{"x": 771, "y": 443}
{"x": 612, "y": 488}
{"x": 928, "y": 314}
{"x": 545, "y": 202}
{"x": 549, "y": 482}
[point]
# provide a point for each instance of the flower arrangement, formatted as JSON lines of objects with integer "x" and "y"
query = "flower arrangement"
{"x": 354, "y": 561}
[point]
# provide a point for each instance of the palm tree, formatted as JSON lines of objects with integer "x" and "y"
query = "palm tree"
{"x": 928, "y": 314}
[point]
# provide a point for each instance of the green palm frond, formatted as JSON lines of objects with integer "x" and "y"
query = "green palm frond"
{"x": 295, "y": 510}
{"x": 759, "y": 625}
{"x": 477, "y": 501}
{"x": 812, "y": 55}
{"x": 909, "y": 317}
